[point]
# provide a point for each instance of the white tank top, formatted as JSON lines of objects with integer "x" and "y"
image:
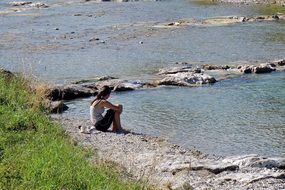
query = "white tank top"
{"x": 96, "y": 113}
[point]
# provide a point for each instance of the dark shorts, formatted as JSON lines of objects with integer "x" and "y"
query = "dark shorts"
{"x": 105, "y": 123}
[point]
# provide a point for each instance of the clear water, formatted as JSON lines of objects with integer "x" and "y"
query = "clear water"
{"x": 237, "y": 116}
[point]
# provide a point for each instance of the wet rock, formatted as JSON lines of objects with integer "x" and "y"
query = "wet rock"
{"x": 57, "y": 107}
{"x": 187, "y": 79}
{"x": 263, "y": 68}
{"x": 70, "y": 92}
{"x": 280, "y": 62}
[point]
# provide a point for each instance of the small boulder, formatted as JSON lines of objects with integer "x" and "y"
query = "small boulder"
{"x": 246, "y": 69}
{"x": 57, "y": 107}
{"x": 263, "y": 68}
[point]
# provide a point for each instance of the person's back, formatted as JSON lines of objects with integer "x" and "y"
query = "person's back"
{"x": 96, "y": 112}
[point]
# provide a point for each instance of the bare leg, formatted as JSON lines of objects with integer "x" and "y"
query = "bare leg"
{"x": 117, "y": 122}
{"x": 115, "y": 127}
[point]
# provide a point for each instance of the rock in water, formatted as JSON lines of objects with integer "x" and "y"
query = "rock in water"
{"x": 187, "y": 79}
{"x": 70, "y": 92}
{"x": 57, "y": 107}
{"x": 280, "y": 62}
{"x": 263, "y": 68}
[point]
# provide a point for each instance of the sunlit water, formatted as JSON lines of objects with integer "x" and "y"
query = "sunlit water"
{"x": 237, "y": 116}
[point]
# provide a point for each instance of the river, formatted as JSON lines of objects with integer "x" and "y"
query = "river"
{"x": 242, "y": 115}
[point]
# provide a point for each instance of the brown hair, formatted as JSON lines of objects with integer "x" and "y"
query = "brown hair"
{"x": 106, "y": 90}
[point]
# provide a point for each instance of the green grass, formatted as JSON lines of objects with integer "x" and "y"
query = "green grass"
{"x": 36, "y": 153}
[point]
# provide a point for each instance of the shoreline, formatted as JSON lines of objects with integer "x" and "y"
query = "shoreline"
{"x": 169, "y": 166}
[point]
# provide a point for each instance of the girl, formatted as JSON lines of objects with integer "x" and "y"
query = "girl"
{"x": 97, "y": 108}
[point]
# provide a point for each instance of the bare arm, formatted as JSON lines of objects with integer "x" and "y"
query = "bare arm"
{"x": 109, "y": 105}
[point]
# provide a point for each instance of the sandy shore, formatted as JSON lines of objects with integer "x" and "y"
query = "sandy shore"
{"x": 168, "y": 166}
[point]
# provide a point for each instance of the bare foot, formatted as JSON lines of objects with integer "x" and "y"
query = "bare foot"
{"x": 123, "y": 131}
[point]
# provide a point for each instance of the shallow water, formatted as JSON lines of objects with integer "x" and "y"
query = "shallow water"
{"x": 237, "y": 116}
{"x": 241, "y": 116}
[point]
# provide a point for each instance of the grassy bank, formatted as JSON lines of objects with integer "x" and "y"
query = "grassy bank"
{"x": 36, "y": 154}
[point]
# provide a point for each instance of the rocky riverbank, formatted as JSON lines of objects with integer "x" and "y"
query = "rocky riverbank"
{"x": 168, "y": 166}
